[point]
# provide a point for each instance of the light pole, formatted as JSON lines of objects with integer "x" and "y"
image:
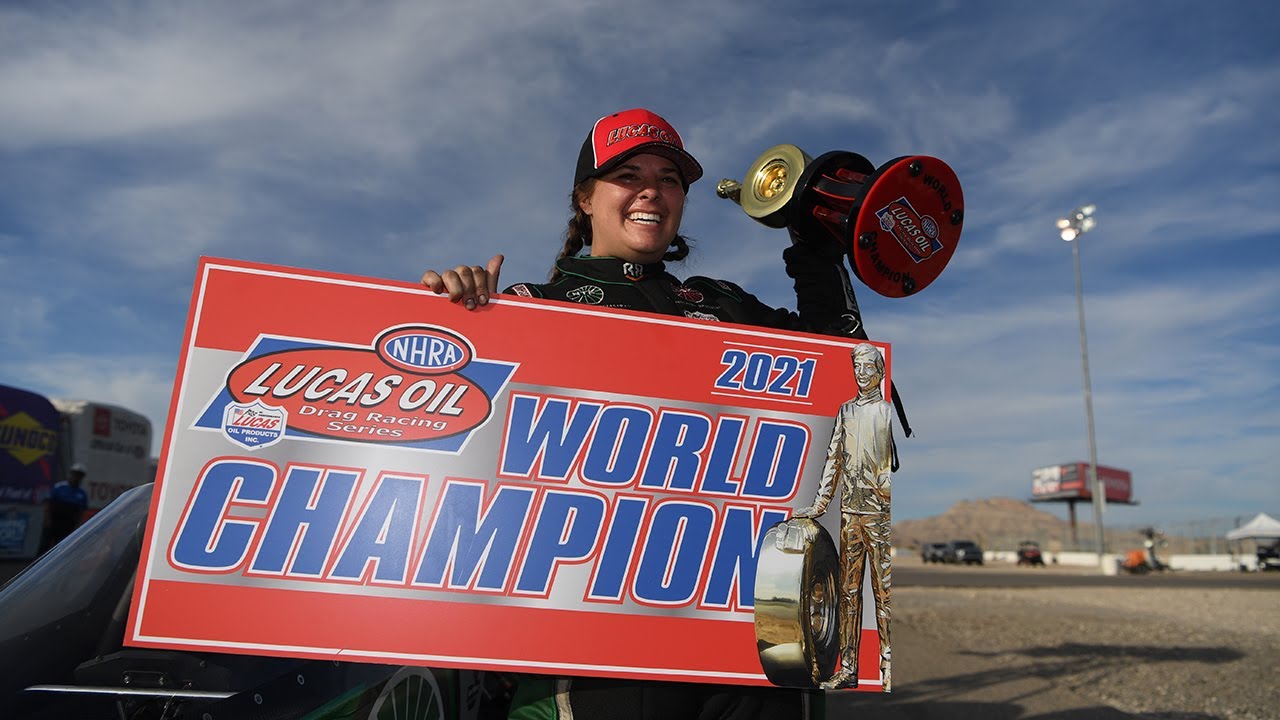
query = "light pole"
{"x": 1079, "y": 222}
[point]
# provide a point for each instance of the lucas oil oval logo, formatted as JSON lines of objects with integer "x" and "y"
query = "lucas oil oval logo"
{"x": 408, "y": 387}
{"x": 917, "y": 234}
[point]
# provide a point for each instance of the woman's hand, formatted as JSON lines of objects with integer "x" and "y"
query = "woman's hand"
{"x": 471, "y": 285}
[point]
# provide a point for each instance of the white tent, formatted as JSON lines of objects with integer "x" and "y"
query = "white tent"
{"x": 1262, "y": 526}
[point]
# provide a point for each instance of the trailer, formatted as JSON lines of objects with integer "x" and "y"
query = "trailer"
{"x": 112, "y": 442}
{"x": 42, "y": 438}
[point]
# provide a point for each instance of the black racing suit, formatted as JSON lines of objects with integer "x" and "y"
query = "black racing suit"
{"x": 826, "y": 305}
{"x": 824, "y": 297}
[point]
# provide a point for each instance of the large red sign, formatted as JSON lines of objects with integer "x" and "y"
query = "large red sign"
{"x": 1072, "y": 482}
{"x": 358, "y": 469}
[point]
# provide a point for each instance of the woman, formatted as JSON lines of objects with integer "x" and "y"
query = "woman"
{"x": 627, "y": 202}
{"x": 628, "y": 199}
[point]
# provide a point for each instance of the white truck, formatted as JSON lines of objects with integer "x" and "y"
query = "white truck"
{"x": 112, "y": 442}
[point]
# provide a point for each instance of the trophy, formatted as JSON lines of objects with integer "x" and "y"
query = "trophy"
{"x": 899, "y": 224}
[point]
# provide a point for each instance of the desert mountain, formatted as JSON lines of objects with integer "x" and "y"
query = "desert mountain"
{"x": 994, "y": 523}
{"x": 1000, "y": 523}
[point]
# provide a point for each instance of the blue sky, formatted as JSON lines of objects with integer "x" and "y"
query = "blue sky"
{"x": 383, "y": 138}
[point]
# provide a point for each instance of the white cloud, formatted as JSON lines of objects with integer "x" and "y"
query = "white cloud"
{"x": 165, "y": 226}
{"x": 386, "y": 138}
{"x": 1111, "y": 143}
{"x": 137, "y": 382}
{"x": 22, "y": 319}
{"x": 113, "y": 74}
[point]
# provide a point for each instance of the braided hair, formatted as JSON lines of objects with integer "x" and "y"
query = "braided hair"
{"x": 578, "y": 234}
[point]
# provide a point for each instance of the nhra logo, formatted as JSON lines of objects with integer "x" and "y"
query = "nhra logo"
{"x": 424, "y": 350}
{"x": 255, "y": 425}
{"x": 415, "y": 385}
{"x": 917, "y": 235}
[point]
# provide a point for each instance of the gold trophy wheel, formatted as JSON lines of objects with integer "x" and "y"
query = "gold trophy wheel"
{"x": 796, "y": 615}
{"x": 770, "y": 183}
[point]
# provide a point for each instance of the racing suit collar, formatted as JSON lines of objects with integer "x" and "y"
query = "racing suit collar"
{"x": 609, "y": 269}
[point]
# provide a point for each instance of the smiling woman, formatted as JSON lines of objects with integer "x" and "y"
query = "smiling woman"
{"x": 627, "y": 203}
{"x": 635, "y": 209}
{"x": 628, "y": 197}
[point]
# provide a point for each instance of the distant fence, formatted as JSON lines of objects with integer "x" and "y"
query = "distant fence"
{"x": 1199, "y": 537}
{"x": 1220, "y": 562}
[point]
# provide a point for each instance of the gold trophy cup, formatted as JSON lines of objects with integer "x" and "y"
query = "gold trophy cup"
{"x": 899, "y": 224}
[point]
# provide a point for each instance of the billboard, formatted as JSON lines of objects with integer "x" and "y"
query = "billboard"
{"x": 1071, "y": 482}
{"x": 360, "y": 470}
{"x": 28, "y": 446}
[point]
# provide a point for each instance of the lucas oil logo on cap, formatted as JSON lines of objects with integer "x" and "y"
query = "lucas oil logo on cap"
{"x": 917, "y": 235}
{"x": 418, "y": 386}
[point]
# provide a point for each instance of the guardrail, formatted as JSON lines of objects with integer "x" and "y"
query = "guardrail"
{"x": 1219, "y": 562}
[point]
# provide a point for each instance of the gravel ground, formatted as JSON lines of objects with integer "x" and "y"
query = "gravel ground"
{"x": 1079, "y": 652}
{"x": 1075, "y": 653}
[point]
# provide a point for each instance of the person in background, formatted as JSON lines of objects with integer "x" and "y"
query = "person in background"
{"x": 627, "y": 202}
{"x": 65, "y": 506}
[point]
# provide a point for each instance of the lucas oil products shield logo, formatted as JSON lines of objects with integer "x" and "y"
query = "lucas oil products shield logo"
{"x": 254, "y": 425}
{"x": 917, "y": 235}
{"x": 418, "y": 386}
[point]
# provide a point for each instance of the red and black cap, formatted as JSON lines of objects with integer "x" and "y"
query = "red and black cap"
{"x": 616, "y": 137}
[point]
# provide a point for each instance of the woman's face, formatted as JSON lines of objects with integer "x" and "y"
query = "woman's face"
{"x": 635, "y": 209}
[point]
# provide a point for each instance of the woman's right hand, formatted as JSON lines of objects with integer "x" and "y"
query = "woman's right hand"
{"x": 471, "y": 285}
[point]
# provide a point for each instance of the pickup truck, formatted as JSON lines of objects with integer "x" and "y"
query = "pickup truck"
{"x": 962, "y": 552}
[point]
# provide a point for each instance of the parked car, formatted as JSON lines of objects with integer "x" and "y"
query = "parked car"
{"x": 962, "y": 552}
{"x": 1269, "y": 556}
{"x": 932, "y": 552}
{"x": 1029, "y": 553}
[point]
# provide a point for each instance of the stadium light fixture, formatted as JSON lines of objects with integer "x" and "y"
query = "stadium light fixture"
{"x": 1077, "y": 223}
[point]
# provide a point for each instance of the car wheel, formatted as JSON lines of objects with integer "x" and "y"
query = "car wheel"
{"x": 797, "y": 606}
{"x": 411, "y": 694}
